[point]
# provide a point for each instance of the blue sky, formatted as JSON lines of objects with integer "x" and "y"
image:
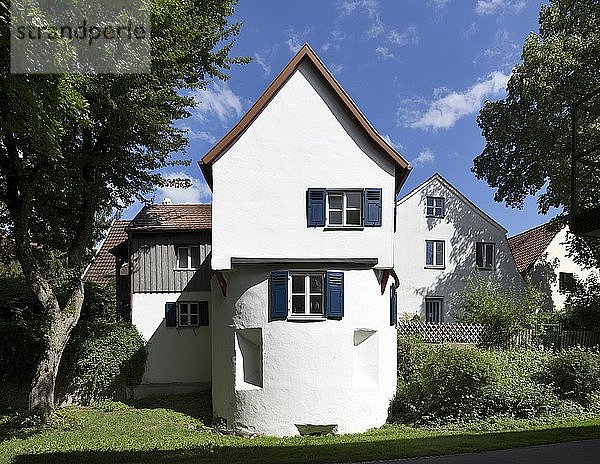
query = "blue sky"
{"x": 419, "y": 71}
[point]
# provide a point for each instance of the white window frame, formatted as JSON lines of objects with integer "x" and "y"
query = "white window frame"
{"x": 189, "y": 305}
{"x": 434, "y": 208}
{"x": 436, "y": 244}
{"x": 345, "y": 207}
{"x": 307, "y": 294}
{"x": 435, "y": 299}
{"x": 485, "y": 265}
{"x": 189, "y": 258}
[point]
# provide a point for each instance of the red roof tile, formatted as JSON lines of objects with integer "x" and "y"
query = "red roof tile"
{"x": 102, "y": 267}
{"x": 527, "y": 247}
{"x": 158, "y": 218}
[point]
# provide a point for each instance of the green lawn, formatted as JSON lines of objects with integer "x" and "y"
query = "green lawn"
{"x": 164, "y": 432}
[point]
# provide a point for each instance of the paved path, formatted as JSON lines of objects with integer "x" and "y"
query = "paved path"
{"x": 573, "y": 452}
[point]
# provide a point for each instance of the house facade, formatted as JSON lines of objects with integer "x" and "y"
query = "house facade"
{"x": 541, "y": 255}
{"x": 302, "y": 248}
{"x": 442, "y": 241}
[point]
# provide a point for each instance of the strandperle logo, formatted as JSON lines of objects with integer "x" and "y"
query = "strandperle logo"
{"x": 80, "y": 36}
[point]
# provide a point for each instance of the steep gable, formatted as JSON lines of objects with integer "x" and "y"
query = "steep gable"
{"x": 102, "y": 267}
{"x": 528, "y": 246}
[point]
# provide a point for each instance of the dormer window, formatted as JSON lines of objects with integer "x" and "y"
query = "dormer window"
{"x": 435, "y": 207}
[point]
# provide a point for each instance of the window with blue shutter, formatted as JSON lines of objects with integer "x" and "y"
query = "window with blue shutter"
{"x": 315, "y": 207}
{"x": 334, "y": 306}
{"x": 393, "y": 306}
{"x": 203, "y": 313}
{"x": 279, "y": 295}
{"x": 171, "y": 314}
{"x": 372, "y": 207}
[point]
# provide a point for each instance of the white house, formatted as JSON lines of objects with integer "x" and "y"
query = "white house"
{"x": 541, "y": 254}
{"x": 302, "y": 314}
{"x": 444, "y": 240}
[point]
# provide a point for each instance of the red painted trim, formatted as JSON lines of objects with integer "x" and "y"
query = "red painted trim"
{"x": 384, "y": 280}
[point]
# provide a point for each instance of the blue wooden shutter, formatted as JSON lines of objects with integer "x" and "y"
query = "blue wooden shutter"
{"x": 279, "y": 295}
{"x": 203, "y": 313}
{"x": 171, "y": 314}
{"x": 334, "y": 307}
{"x": 372, "y": 207}
{"x": 393, "y": 305}
{"x": 315, "y": 207}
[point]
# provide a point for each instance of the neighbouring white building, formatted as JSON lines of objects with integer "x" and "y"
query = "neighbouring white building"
{"x": 541, "y": 255}
{"x": 442, "y": 241}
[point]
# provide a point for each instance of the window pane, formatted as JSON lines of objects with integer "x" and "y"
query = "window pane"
{"x": 298, "y": 304}
{"x": 183, "y": 319}
{"x": 439, "y": 254}
{"x": 298, "y": 284}
{"x": 316, "y": 284}
{"x": 195, "y": 252}
{"x": 183, "y": 308}
{"x": 335, "y": 217}
{"x": 353, "y": 200}
{"x": 194, "y": 308}
{"x": 429, "y": 254}
{"x": 194, "y": 320}
{"x": 335, "y": 201}
{"x": 489, "y": 255}
{"x": 182, "y": 262}
{"x": 353, "y": 217}
{"x": 430, "y": 201}
{"x": 316, "y": 304}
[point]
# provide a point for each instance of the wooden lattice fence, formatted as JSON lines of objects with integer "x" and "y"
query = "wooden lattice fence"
{"x": 434, "y": 332}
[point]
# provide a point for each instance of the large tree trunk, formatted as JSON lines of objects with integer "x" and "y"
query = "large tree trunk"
{"x": 41, "y": 397}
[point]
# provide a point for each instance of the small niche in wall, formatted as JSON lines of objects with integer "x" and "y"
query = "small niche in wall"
{"x": 248, "y": 359}
{"x": 365, "y": 358}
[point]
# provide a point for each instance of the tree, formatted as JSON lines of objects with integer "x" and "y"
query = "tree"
{"x": 73, "y": 148}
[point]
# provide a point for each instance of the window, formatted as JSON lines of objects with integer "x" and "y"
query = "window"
{"x": 485, "y": 255}
{"x": 434, "y": 309}
{"x": 434, "y": 253}
{"x": 188, "y": 257}
{"x": 435, "y": 207}
{"x": 566, "y": 282}
{"x": 306, "y": 295}
{"x": 344, "y": 208}
{"x": 186, "y": 314}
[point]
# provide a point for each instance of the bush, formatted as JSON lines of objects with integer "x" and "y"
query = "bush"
{"x": 100, "y": 361}
{"x": 575, "y": 374}
{"x": 100, "y": 303}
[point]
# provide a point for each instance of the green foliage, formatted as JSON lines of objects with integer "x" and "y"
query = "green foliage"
{"x": 100, "y": 303}
{"x": 582, "y": 306}
{"x": 101, "y": 360}
{"x": 575, "y": 374}
{"x": 502, "y": 311}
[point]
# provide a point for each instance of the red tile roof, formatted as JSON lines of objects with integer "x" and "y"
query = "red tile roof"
{"x": 158, "y": 218}
{"x": 102, "y": 267}
{"x": 527, "y": 247}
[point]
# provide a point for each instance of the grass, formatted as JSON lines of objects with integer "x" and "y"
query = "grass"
{"x": 164, "y": 431}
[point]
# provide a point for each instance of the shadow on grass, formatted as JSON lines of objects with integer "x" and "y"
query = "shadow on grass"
{"x": 321, "y": 451}
{"x": 196, "y": 405}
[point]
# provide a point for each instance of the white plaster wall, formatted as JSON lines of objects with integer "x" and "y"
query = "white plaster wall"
{"x": 461, "y": 228}
{"x": 175, "y": 355}
{"x": 308, "y": 367}
{"x": 545, "y": 272}
{"x": 302, "y": 139}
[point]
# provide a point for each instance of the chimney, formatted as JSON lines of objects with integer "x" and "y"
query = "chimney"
{"x": 167, "y": 201}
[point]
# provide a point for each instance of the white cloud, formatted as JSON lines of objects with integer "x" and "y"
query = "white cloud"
{"x": 444, "y": 111}
{"x": 260, "y": 60}
{"x": 426, "y": 156}
{"x": 388, "y": 139}
{"x": 336, "y": 68}
{"x": 296, "y": 39}
{"x": 408, "y": 37}
{"x": 384, "y": 52}
{"x": 438, "y": 4}
{"x": 490, "y": 7}
{"x": 198, "y": 192}
{"x": 219, "y": 99}
{"x": 203, "y": 136}
{"x": 370, "y": 8}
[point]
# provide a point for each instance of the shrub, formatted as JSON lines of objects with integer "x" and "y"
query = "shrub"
{"x": 100, "y": 361}
{"x": 575, "y": 374}
{"x": 100, "y": 303}
{"x": 412, "y": 353}
{"x": 582, "y": 306}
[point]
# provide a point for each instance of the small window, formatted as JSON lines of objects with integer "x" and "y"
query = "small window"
{"x": 434, "y": 253}
{"x": 344, "y": 208}
{"x": 434, "y": 309}
{"x": 188, "y": 257}
{"x": 486, "y": 255}
{"x": 435, "y": 207}
{"x": 566, "y": 282}
{"x": 307, "y": 291}
{"x": 188, "y": 314}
